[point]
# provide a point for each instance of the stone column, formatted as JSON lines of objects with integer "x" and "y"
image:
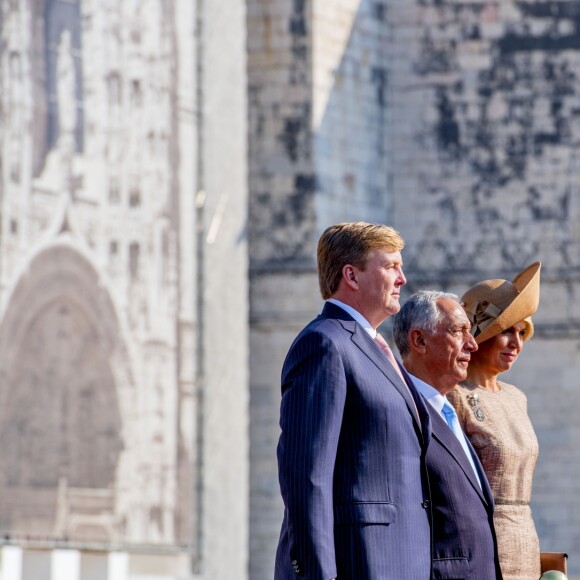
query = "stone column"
{"x": 36, "y": 565}
{"x": 104, "y": 566}
{"x": 224, "y": 304}
{"x": 11, "y": 563}
{"x": 65, "y": 565}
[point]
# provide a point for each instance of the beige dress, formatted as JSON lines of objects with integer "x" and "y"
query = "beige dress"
{"x": 500, "y": 430}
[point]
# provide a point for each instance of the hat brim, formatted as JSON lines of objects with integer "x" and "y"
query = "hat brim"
{"x": 527, "y": 282}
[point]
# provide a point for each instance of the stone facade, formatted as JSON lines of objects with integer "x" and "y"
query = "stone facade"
{"x": 90, "y": 280}
{"x": 319, "y": 154}
{"x": 485, "y": 182}
{"x": 130, "y": 133}
{"x": 114, "y": 210}
{"x": 456, "y": 123}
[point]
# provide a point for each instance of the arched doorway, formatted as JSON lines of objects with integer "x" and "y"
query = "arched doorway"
{"x": 60, "y": 421}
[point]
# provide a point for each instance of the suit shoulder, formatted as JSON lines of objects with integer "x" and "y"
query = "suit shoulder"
{"x": 321, "y": 328}
{"x": 322, "y": 339}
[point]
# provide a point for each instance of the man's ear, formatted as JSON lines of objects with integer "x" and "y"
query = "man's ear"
{"x": 350, "y": 276}
{"x": 417, "y": 340}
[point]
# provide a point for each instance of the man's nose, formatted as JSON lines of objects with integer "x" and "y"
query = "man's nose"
{"x": 471, "y": 344}
{"x": 401, "y": 279}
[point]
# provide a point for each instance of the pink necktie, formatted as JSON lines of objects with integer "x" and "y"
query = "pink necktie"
{"x": 383, "y": 345}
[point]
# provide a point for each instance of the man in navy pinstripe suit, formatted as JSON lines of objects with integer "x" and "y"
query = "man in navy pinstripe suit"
{"x": 432, "y": 335}
{"x": 353, "y": 432}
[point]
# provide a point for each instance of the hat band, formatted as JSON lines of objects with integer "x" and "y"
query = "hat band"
{"x": 481, "y": 315}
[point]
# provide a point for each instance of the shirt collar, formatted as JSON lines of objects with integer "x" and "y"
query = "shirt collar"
{"x": 356, "y": 315}
{"x": 433, "y": 396}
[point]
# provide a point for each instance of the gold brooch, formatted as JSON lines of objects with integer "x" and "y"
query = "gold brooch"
{"x": 473, "y": 399}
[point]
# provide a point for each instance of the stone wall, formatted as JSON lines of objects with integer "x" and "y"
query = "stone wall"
{"x": 123, "y": 278}
{"x": 90, "y": 267}
{"x": 453, "y": 121}
{"x": 125, "y": 229}
{"x": 484, "y": 178}
{"x": 318, "y": 155}
{"x": 281, "y": 237}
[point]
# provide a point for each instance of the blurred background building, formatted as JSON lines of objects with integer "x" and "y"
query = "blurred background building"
{"x": 166, "y": 168}
{"x": 123, "y": 289}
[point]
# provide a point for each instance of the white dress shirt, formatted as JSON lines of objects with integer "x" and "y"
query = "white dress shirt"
{"x": 356, "y": 315}
{"x": 437, "y": 401}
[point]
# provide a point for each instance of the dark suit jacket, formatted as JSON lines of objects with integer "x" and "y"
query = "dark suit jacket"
{"x": 351, "y": 460}
{"x": 464, "y": 542}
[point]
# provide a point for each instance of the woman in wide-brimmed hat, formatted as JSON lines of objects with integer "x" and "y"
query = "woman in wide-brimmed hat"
{"x": 494, "y": 414}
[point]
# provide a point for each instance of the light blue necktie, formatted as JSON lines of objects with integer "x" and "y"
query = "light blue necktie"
{"x": 453, "y": 422}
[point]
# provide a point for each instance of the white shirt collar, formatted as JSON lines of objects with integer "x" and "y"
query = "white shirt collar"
{"x": 433, "y": 396}
{"x": 437, "y": 401}
{"x": 356, "y": 315}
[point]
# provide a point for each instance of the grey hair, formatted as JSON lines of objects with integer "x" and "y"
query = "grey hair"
{"x": 420, "y": 311}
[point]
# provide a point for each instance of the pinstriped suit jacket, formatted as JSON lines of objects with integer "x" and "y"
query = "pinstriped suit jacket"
{"x": 351, "y": 460}
{"x": 464, "y": 542}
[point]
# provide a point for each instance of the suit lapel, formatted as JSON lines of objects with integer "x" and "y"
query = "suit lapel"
{"x": 421, "y": 405}
{"x": 488, "y": 495}
{"x": 368, "y": 347}
{"x": 449, "y": 441}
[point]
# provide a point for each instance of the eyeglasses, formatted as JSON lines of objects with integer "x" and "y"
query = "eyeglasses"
{"x": 459, "y": 332}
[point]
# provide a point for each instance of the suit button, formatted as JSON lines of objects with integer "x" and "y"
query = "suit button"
{"x": 425, "y": 503}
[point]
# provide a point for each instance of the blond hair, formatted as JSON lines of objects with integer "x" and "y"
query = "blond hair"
{"x": 351, "y": 243}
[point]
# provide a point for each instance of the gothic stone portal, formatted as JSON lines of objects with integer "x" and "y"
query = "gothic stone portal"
{"x": 59, "y": 415}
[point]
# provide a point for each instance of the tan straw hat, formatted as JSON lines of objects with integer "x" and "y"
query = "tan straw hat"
{"x": 493, "y": 306}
